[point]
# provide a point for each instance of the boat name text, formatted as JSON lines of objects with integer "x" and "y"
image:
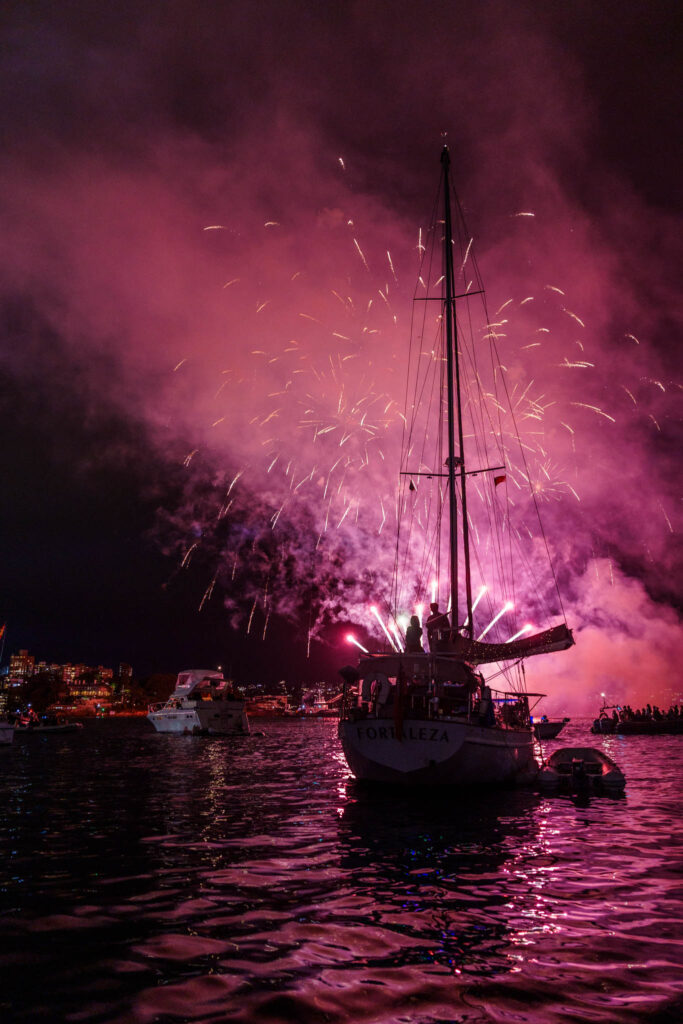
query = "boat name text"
{"x": 388, "y": 732}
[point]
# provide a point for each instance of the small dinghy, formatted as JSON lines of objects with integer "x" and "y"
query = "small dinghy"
{"x": 577, "y": 768}
{"x": 549, "y": 728}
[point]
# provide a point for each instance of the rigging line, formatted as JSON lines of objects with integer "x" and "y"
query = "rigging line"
{"x": 490, "y": 507}
{"x": 494, "y": 350}
{"x": 478, "y": 411}
{"x": 483, "y": 403}
{"x": 526, "y": 468}
{"x": 480, "y": 441}
{"x": 428, "y": 545}
{"x": 410, "y": 417}
{"x": 409, "y": 422}
{"x": 432, "y": 550}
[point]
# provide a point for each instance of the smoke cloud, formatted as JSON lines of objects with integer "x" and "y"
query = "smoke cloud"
{"x": 213, "y": 213}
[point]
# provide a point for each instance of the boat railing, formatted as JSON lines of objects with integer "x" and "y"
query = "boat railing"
{"x": 511, "y": 709}
{"x": 170, "y": 704}
{"x": 504, "y": 709}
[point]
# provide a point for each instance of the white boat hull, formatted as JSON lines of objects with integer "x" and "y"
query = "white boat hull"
{"x": 437, "y": 752}
{"x": 217, "y": 718}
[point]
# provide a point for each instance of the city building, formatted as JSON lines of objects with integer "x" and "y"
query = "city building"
{"x": 21, "y": 665}
{"x": 83, "y": 684}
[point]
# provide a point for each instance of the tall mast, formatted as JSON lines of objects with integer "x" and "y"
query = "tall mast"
{"x": 454, "y": 417}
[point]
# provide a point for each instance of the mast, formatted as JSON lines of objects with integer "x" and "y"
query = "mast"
{"x": 454, "y": 418}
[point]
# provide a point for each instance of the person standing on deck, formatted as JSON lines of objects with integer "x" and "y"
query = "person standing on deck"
{"x": 414, "y": 636}
{"x": 436, "y": 622}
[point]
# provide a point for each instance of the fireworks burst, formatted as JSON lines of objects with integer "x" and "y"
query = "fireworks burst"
{"x": 296, "y": 490}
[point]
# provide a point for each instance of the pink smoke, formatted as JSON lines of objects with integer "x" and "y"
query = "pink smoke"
{"x": 245, "y": 254}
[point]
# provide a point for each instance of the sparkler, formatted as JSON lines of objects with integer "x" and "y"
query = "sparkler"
{"x": 397, "y": 637}
{"x": 389, "y": 637}
{"x": 521, "y": 632}
{"x": 508, "y": 606}
{"x": 482, "y": 591}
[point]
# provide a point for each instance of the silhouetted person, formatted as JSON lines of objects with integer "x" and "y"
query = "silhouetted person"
{"x": 414, "y": 636}
{"x": 437, "y": 621}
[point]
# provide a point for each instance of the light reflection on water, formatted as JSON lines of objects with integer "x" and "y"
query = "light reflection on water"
{"x": 149, "y": 878}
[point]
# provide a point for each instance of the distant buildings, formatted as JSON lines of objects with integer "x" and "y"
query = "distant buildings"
{"x": 77, "y": 684}
{"x": 88, "y": 688}
{"x": 21, "y": 665}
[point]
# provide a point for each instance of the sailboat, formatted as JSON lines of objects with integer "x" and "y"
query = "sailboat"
{"x": 417, "y": 716}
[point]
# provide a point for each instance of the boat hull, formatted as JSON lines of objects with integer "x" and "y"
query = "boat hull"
{"x": 437, "y": 753}
{"x": 41, "y": 730}
{"x": 216, "y": 718}
{"x": 549, "y": 730}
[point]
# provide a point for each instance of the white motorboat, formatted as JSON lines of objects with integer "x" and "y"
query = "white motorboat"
{"x": 582, "y": 768}
{"x": 202, "y": 702}
{"x": 421, "y": 717}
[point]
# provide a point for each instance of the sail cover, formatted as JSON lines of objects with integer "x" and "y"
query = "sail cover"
{"x": 455, "y": 657}
{"x": 559, "y": 638}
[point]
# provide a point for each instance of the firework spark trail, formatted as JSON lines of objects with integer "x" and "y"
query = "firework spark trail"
{"x": 361, "y": 254}
{"x": 668, "y": 521}
{"x": 594, "y": 408}
{"x": 188, "y": 555}
{"x": 208, "y": 592}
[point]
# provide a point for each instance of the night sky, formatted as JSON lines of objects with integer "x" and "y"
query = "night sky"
{"x": 197, "y": 202}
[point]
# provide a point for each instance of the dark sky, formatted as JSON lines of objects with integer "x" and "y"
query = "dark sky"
{"x": 142, "y": 354}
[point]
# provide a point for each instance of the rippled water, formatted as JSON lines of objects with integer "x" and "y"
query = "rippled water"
{"x": 150, "y": 878}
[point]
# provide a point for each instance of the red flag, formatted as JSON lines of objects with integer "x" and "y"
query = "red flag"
{"x": 499, "y": 480}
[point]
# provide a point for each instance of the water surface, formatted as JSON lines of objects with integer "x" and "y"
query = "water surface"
{"x": 148, "y": 877}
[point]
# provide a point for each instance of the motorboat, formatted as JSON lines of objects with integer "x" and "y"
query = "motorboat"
{"x": 581, "y": 768}
{"x": 416, "y": 716}
{"x": 549, "y": 728}
{"x": 650, "y": 726}
{"x": 203, "y": 701}
{"x": 269, "y": 707}
{"x": 632, "y": 725}
{"x": 606, "y": 724}
{"x": 34, "y": 724}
